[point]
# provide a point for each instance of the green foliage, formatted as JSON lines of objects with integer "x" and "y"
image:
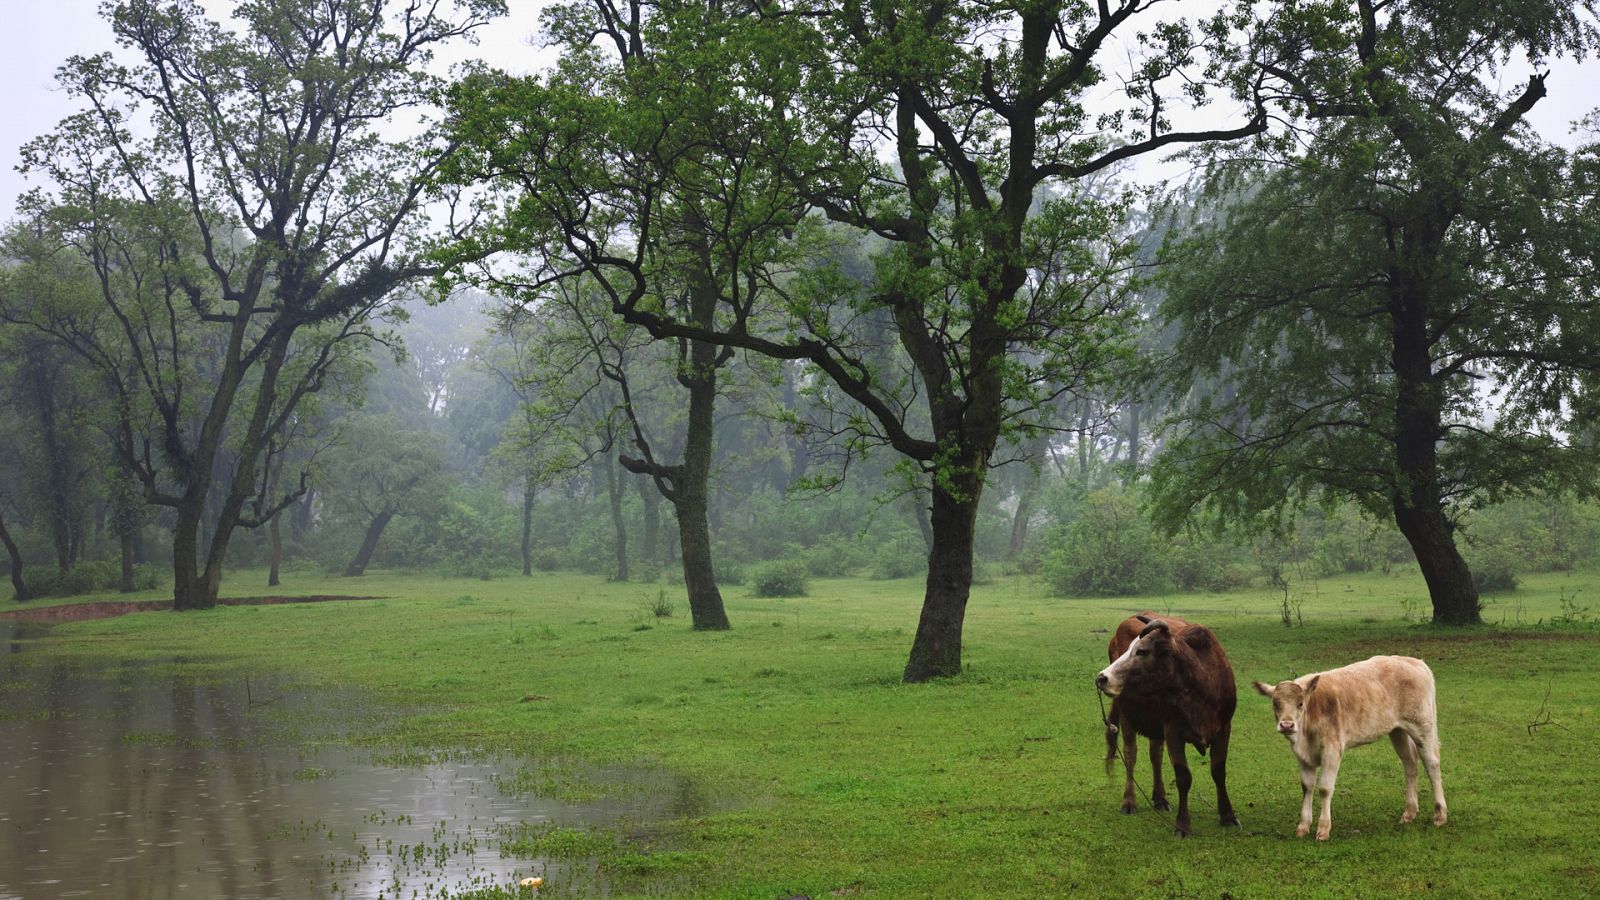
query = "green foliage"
{"x": 903, "y": 557}
{"x": 779, "y": 578}
{"x": 88, "y": 578}
{"x": 1108, "y": 549}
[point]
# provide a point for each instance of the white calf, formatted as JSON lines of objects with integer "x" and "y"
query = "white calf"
{"x": 1327, "y": 713}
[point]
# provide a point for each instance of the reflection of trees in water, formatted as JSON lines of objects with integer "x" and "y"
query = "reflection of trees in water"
{"x": 164, "y": 770}
{"x": 132, "y": 783}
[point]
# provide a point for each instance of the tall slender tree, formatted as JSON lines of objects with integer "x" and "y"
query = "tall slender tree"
{"x": 235, "y": 188}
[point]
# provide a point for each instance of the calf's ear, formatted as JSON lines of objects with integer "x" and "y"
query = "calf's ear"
{"x": 1313, "y": 685}
{"x": 1263, "y": 688}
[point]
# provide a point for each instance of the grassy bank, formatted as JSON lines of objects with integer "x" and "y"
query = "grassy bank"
{"x": 826, "y": 776}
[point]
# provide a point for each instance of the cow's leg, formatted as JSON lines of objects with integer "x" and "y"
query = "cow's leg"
{"x": 1158, "y": 789}
{"x": 1325, "y": 782}
{"x": 1308, "y": 782}
{"x": 1219, "y": 774}
{"x": 1428, "y": 744}
{"x": 1130, "y": 753}
{"x": 1180, "y": 773}
{"x": 1407, "y": 748}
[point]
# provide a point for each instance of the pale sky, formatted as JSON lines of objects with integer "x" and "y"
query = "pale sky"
{"x": 41, "y": 34}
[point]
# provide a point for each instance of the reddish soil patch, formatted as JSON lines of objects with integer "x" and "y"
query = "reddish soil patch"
{"x": 81, "y": 612}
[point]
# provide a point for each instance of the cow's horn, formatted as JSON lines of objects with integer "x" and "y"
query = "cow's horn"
{"x": 1155, "y": 625}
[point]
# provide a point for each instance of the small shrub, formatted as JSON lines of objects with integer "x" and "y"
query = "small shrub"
{"x": 1109, "y": 550}
{"x": 902, "y": 557}
{"x": 781, "y": 578}
{"x": 660, "y": 607}
{"x": 726, "y": 573}
{"x": 546, "y": 559}
{"x": 647, "y": 572}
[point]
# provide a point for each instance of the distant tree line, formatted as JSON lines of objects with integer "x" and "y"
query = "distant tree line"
{"x": 867, "y": 289}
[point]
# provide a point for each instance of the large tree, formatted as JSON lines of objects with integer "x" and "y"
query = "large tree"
{"x": 1396, "y": 306}
{"x": 237, "y": 195}
{"x": 1000, "y": 298}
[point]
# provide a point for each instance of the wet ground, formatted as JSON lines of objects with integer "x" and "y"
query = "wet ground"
{"x": 126, "y": 782}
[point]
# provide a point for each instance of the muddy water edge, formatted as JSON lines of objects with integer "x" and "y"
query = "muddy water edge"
{"x": 126, "y": 780}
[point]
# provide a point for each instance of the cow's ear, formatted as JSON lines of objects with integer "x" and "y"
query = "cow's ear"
{"x": 1197, "y": 638}
{"x": 1263, "y": 688}
{"x": 1313, "y": 684}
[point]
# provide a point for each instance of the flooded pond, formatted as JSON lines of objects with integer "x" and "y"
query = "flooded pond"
{"x": 126, "y": 782}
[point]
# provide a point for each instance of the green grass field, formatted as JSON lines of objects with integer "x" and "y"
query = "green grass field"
{"x": 826, "y": 776}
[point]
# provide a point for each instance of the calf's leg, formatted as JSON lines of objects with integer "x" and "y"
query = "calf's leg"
{"x": 1325, "y": 783}
{"x": 1308, "y": 781}
{"x": 1428, "y": 744}
{"x": 1407, "y": 748}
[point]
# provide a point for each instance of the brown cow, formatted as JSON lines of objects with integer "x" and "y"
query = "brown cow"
{"x": 1173, "y": 684}
{"x": 1327, "y": 713}
{"x": 1120, "y": 639}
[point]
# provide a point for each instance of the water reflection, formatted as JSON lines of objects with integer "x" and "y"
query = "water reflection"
{"x": 128, "y": 783}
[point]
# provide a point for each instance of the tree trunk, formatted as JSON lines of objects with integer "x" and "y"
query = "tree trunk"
{"x": 936, "y": 651}
{"x": 1450, "y": 583}
{"x": 125, "y": 578}
{"x": 275, "y": 559}
{"x": 705, "y": 600}
{"x": 1019, "y": 521}
{"x": 527, "y": 525}
{"x": 919, "y": 512}
{"x": 1419, "y": 500}
{"x": 17, "y": 584}
{"x": 690, "y": 490}
{"x": 369, "y": 543}
{"x": 619, "y": 528}
{"x": 651, "y": 551}
{"x": 189, "y": 589}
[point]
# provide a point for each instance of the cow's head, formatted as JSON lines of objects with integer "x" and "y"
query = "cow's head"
{"x": 1288, "y": 703}
{"x": 1145, "y": 661}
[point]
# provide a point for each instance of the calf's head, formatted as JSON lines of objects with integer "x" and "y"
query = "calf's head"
{"x": 1288, "y": 703}
{"x": 1146, "y": 662}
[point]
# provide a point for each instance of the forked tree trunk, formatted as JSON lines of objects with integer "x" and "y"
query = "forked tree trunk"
{"x": 369, "y": 543}
{"x": 189, "y": 586}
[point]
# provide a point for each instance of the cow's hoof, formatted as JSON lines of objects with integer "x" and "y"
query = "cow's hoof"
{"x": 1302, "y": 830}
{"x": 1322, "y": 833}
{"x": 1161, "y": 804}
{"x": 1408, "y": 817}
{"x": 1128, "y": 808}
{"x": 1231, "y": 822}
{"x": 1439, "y": 819}
{"x": 1181, "y": 831}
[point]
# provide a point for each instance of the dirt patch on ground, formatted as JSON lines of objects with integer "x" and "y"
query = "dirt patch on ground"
{"x": 82, "y": 612}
